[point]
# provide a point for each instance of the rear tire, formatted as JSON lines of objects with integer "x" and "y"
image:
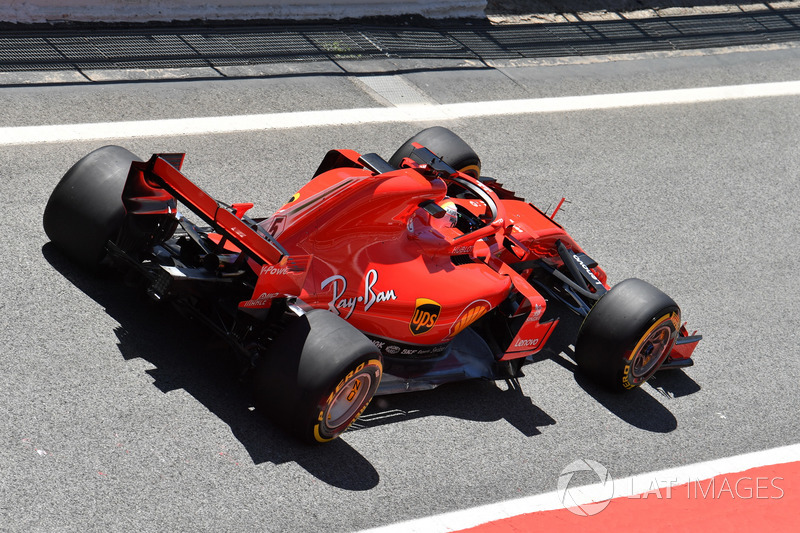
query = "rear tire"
{"x": 85, "y": 209}
{"x": 627, "y": 335}
{"x": 450, "y": 148}
{"x": 319, "y": 377}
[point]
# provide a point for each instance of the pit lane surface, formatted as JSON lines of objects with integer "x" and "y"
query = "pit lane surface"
{"x": 118, "y": 415}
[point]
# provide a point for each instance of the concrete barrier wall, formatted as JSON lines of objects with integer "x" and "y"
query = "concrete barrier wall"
{"x": 31, "y": 11}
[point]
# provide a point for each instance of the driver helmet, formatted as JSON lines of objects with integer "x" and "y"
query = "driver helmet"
{"x": 450, "y": 217}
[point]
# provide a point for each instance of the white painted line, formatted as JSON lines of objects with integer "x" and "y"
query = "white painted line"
{"x": 626, "y": 487}
{"x": 20, "y": 135}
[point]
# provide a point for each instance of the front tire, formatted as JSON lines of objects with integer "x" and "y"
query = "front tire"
{"x": 319, "y": 376}
{"x": 85, "y": 209}
{"x": 627, "y": 335}
{"x": 450, "y": 148}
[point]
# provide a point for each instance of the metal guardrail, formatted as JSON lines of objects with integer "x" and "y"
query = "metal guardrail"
{"x": 48, "y": 49}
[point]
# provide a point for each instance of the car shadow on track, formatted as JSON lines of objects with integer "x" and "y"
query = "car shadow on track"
{"x": 637, "y": 407}
{"x": 188, "y": 358}
{"x": 458, "y": 400}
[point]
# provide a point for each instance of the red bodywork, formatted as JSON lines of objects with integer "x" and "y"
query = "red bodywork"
{"x": 367, "y": 246}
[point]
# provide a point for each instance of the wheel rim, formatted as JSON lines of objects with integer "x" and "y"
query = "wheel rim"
{"x": 652, "y": 350}
{"x": 349, "y": 401}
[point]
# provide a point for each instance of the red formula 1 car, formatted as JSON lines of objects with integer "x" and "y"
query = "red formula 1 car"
{"x": 376, "y": 277}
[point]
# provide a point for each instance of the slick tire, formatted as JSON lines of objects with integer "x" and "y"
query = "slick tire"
{"x": 85, "y": 209}
{"x": 627, "y": 335}
{"x": 319, "y": 376}
{"x": 450, "y": 148}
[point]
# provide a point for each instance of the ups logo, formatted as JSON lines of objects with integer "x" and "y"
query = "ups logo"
{"x": 425, "y": 314}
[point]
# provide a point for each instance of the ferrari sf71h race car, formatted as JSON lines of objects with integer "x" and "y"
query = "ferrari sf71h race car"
{"x": 375, "y": 277}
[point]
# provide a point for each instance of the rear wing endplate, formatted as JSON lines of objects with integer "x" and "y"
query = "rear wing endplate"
{"x": 162, "y": 171}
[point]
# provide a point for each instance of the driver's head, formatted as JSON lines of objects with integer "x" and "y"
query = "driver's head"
{"x": 450, "y": 217}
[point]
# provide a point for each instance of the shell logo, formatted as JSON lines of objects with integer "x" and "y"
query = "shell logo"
{"x": 470, "y": 314}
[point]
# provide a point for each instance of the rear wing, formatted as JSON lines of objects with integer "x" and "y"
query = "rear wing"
{"x": 162, "y": 171}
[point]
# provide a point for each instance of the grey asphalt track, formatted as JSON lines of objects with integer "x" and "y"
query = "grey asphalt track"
{"x": 117, "y": 415}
